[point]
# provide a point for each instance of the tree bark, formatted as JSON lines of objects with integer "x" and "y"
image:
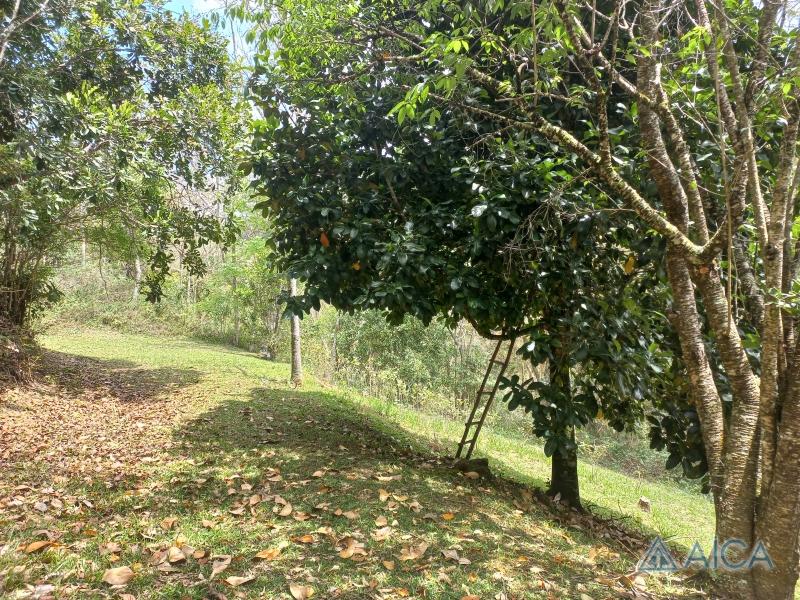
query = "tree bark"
{"x": 236, "y": 316}
{"x": 297, "y": 364}
{"x": 137, "y": 277}
{"x": 564, "y": 483}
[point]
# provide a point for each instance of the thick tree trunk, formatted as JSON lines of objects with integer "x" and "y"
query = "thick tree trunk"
{"x": 297, "y": 364}
{"x": 564, "y": 483}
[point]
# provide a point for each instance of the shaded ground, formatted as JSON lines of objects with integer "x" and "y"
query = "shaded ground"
{"x": 201, "y": 471}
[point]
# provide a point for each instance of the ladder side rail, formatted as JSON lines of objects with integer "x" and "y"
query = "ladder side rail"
{"x": 477, "y": 401}
{"x": 489, "y": 402}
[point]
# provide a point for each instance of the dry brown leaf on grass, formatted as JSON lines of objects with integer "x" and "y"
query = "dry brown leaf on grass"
{"x": 301, "y": 592}
{"x": 175, "y": 555}
{"x": 414, "y": 552}
{"x": 388, "y": 565}
{"x": 269, "y": 554}
{"x": 349, "y": 547}
{"x": 37, "y": 546}
{"x": 383, "y": 495}
{"x": 168, "y": 523}
{"x": 219, "y": 564}
{"x": 452, "y": 554}
{"x": 282, "y": 508}
{"x": 110, "y": 548}
{"x": 448, "y": 516}
{"x": 235, "y": 580}
{"x": 381, "y": 521}
{"x": 118, "y": 576}
{"x": 304, "y": 539}
{"x": 381, "y": 534}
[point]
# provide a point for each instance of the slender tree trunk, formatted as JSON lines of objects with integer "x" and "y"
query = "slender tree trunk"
{"x": 297, "y": 365}
{"x": 236, "y": 319}
{"x": 564, "y": 483}
{"x": 137, "y": 277}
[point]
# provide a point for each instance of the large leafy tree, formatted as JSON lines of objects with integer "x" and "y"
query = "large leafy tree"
{"x": 444, "y": 217}
{"x": 711, "y": 166}
{"x": 110, "y": 112}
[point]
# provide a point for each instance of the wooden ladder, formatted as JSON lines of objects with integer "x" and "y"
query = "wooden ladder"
{"x": 485, "y": 397}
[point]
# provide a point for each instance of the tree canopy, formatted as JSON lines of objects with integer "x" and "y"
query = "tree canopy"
{"x": 112, "y": 112}
{"x": 682, "y": 116}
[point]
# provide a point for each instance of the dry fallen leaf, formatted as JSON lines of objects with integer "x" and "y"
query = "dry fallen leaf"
{"x": 448, "y": 516}
{"x": 118, "y": 576}
{"x": 269, "y": 554}
{"x": 219, "y": 565}
{"x": 383, "y": 495}
{"x": 304, "y": 539}
{"x": 283, "y": 511}
{"x": 168, "y": 523}
{"x": 472, "y": 475}
{"x": 389, "y": 565}
{"x": 175, "y": 554}
{"x": 381, "y": 521}
{"x": 450, "y": 554}
{"x": 413, "y": 552}
{"x": 234, "y": 580}
{"x": 110, "y": 548}
{"x": 301, "y": 592}
{"x": 349, "y": 547}
{"x": 37, "y": 546}
{"x": 381, "y": 534}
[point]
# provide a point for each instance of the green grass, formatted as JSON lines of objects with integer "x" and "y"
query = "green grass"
{"x": 125, "y": 431}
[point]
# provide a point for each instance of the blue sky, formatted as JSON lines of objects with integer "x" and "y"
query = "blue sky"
{"x": 192, "y": 6}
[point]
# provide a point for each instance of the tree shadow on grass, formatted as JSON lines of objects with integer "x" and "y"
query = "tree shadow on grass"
{"x": 122, "y": 380}
{"x": 323, "y": 437}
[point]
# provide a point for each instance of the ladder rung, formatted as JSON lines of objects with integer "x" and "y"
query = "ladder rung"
{"x": 484, "y": 392}
{"x": 469, "y": 423}
{"x": 499, "y": 362}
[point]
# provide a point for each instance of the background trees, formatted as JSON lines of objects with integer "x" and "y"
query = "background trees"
{"x": 110, "y": 112}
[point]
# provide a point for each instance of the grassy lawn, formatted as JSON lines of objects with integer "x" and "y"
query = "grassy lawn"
{"x": 201, "y": 471}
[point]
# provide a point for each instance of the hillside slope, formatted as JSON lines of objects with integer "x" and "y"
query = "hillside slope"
{"x": 188, "y": 470}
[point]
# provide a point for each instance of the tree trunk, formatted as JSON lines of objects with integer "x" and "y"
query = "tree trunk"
{"x": 297, "y": 365}
{"x": 137, "y": 277}
{"x": 564, "y": 462}
{"x": 564, "y": 475}
{"x": 236, "y": 316}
